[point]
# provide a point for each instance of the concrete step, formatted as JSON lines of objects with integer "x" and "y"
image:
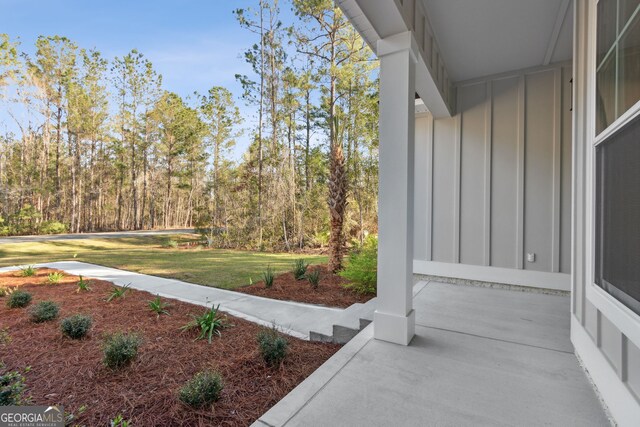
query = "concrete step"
{"x": 346, "y": 325}
{"x": 352, "y": 320}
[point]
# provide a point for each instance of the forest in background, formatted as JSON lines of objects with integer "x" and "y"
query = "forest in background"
{"x": 101, "y": 145}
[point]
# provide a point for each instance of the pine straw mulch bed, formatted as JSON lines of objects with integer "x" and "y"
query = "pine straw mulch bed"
{"x": 71, "y": 373}
{"x": 331, "y": 291}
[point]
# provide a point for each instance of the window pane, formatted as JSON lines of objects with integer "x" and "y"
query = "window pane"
{"x": 618, "y": 215}
{"x": 626, "y": 8}
{"x": 629, "y": 67}
{"x": 605, "y": 94}
{"x": 607, "y": 30}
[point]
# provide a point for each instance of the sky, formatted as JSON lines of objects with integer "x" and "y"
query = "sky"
{"x": 194, "y": 44}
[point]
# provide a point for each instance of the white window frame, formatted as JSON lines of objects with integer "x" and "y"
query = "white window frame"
{"x": 625, "y": 319}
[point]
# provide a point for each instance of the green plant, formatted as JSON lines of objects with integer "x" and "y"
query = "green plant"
{"x": 320, "y": 239}
{"x": 12, "y": 385}
{"x": 273, "y": 346}
{"x": 118, "y": 292}
{"x": 169, "y": 243}
{"x": 44, "y": 311}
{"x": 27, "y": 271}
{"x": 76, "y": 326}
{"x": 158, "y": 306}
{"x": 52, "y": 227}
{"x": 314, "y": 278}
{"x": 4, "y": 230}
{"x": 3, "y": 292}
{"x": 70, "y": 417}
{"x": 204, "y": 388}
{"x": 362, "y": 267}
{"x": 209, "y": 323}
{"x": 5, "y": 338}
{"x": 120, "y": 349}
{"x": 18, "y": 299}
{"x": 55, "y": 277}
{"x": 299, "y": 269}
{"x": 119, "y": 421}
{"x": 268, "y": 277}
{"x": 83, "y": 285}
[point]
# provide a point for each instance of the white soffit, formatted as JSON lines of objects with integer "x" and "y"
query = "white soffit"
{"x": 483, "y": 37}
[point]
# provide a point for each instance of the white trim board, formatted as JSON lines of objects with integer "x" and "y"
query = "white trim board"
{"x": 509, "y": 276}
{"x": 625, "y": 320}
{"x": 621, "y": 404}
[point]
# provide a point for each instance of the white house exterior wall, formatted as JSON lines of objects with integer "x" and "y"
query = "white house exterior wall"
{"x": 495, "y": 181}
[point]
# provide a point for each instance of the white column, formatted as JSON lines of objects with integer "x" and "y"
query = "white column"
{"x": 394, "y": 319}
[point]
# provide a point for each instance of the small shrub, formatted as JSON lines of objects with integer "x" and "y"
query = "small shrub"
{"x": 55, "y": 277}
{"x": 83, "y": 285}
{"x": 203, "y": 389}
{"x": 362, "y": 268}
{"x": 268, "y": 277}
{"x": 158, "y": 306}
{"x": 314, "y": 278}
{"x": 18, "y": 299}
{"x": 71, "y": 417}
{"x": 76, "y": 326}
{"x": 169, "y": 243}
{"x": 120, "y": 349}
{"x": 299, "y": 269}
{"x": 209, "y": 323}
{"x": 119, "y": 421}
{"x": 44, "y": 311}
{"x": 321, "y": 239}
{"x": 27, "y": 271}
{"x": 3, "y": 292}
{"x": 52, "y": 227}
{"x": 118, "y": 292}
{"x": 12, "y": 385}
{"x": 273, "y": 346}
{"x": 5, "y": 338}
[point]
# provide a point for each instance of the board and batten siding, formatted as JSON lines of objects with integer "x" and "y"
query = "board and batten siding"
{"x": 493, "y": 182}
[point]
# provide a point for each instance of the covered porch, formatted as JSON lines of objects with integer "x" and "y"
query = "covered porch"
{"x": 480, "y": 356}
{"x": 487, "y": 135}
{"x": 482, "y": 180}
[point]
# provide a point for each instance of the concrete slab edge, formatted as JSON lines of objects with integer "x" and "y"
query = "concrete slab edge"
{"x": 227, "y": 291}
{"x": 493, "y": 285}
{"x": 299, "y": 397}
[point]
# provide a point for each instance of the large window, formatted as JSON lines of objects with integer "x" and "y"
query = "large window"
{"x": 617, "y": 238}
{"x": 618, "y": 215}
{"x": 618, "y": 60}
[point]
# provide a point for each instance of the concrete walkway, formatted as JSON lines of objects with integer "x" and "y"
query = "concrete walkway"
{"x": 295, "y": 319}
{"x": 82, "y": 236}
{"x": 480, "y": 357}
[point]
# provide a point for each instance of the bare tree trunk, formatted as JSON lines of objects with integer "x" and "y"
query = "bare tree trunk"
{"x": 58, "y": 196}
{"x": 72, "y": 141}
{"x": 260, "y": 113}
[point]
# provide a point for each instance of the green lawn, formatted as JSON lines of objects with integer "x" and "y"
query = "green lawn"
{"x": 212, "y": 267}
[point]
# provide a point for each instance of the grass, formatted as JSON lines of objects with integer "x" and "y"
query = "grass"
{"x": 226, "y": 269}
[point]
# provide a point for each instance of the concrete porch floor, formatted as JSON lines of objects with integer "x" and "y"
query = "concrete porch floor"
{"x": 480, "y": 356}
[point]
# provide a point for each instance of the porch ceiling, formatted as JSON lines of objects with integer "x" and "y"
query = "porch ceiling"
{"x": 483, "y": 37}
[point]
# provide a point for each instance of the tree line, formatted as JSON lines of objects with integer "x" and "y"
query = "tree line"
{"x": 99, "y": 144}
